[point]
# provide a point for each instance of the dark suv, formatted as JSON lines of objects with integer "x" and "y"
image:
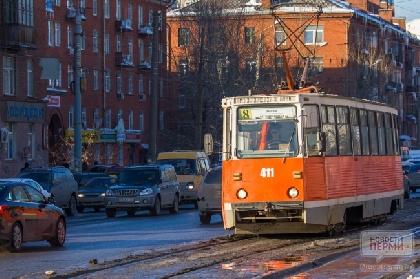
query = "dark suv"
{"x": 59, "y": 181}
{"x": 149, "y": 187}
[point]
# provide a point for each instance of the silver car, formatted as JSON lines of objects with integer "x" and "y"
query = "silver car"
{"x": 210, "y": 195}
{"x": 412, "y": 177}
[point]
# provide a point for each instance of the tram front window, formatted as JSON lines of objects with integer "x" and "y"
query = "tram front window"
{"x": 274, "y": 135}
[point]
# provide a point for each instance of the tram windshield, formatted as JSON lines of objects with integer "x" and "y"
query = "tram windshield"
{"x": 267, "y": 131}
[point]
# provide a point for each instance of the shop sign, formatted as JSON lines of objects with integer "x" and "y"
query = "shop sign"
{"x": 108, "y": 137}
{"x": 25, "y": 112}
{"x": 132, "y": 137}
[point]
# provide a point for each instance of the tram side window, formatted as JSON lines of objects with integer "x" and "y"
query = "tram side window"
{"x": 364, "y": 132}
{"x": 381, "y": 133}
{"x": 373, "y": 136}
{"x": 343, "y": 128}
{"x": 328, "y": 126}
{"x": 355, "y": 131}
{"x": 311, "y": 129}
{"x": 395, "y": 135}
{"x": 389, "y": 134}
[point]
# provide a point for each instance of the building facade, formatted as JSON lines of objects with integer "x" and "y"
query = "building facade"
{"x": 355, "y": 48}
{"x": 37, "y": 101}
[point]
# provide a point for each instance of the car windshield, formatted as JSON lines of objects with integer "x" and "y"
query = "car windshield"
{"x": 97, "y": 183}
{"x": 214, "y": 176}
{"x": 40, "y": 177}
{"x": 139, "y": 177}
{"x": 182, "y": 166}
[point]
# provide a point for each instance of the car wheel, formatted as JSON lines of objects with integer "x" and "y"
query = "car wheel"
{"x": 155, "y": 210}
{"x": 110, "y": 213}
{"x": 205, "y": 218}
{"x": 97, "y": 208}
{"x": 80, "y": 209}
{"x": 131, "y": 213}
{"x": 72, "y": 209}
{"x": 60, "y": 234}
{"x": 174, "y": 208}
{"x": 16, "y": 238}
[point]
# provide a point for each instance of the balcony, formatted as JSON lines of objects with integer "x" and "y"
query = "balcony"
{"x": 145, "y": 65}
{"x": 123, "y": 60}
{"x": 15, "y": 36}
{"x": 123, "y": 25}
{"x": 145, "y": 30}
{"x": 71, "y": 13}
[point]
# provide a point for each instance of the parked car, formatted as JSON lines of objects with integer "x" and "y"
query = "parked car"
{"x": 30, "y": 182}
{"x": 412, "y": 177}
{"x": 83, "y": 177}
{"x": 108, "y": 169}
{"x": 209, "y": 195}
{"x": 93, "y": 193}
{"x": 59, "y": 181}
{"x": 27, "y": 216}
{"x": 149, "y": 187}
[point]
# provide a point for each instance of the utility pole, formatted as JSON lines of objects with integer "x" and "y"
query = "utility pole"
{"x": 77, "y": 92}
{"x": 199, "y": 115}
{"x": 154, "y": 84}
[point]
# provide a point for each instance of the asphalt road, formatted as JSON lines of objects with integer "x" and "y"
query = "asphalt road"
{"x": 92, "y": 236}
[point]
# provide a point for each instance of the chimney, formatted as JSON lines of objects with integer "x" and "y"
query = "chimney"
{"x": 400, "y": 21}
{"x": 386, "y": 14}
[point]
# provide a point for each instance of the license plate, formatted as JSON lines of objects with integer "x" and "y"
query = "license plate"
{"x": 126, "y": 199}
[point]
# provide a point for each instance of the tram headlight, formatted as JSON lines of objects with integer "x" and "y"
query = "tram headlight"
{"x": 293, "y": 192}
{"x": 241, "y": 194}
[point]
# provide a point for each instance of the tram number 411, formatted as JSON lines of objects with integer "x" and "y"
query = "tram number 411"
{"x": 267, "y": 172}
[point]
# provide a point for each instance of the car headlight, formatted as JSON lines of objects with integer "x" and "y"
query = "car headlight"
{"x": 103, "y": 195}
{"x": 80, "y": 195}
{"x": 241, "y": 194}
{"x": 292, "y": 192}
{"x": 109, "y": 193}
{"x": 189, "y": 186}
{"x": 146, "y": 191}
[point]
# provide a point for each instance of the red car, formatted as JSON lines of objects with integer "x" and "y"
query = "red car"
{"x": 27, "y": 216}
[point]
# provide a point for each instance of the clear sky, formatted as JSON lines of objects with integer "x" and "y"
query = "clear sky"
{"x": 410, "y": 9}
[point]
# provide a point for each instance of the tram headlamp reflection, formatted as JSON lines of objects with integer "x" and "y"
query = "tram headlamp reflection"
{"x": 241, "y": 194}
{"x": 293, "y": 192}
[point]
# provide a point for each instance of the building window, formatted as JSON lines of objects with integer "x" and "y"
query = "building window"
{"x": 141, "y": 85}
{"x": 130, "y": 48}
{"x": 130, "y": 11}
{"x": 130, "y": 119}
{"x": 182, "y": 102}
{"x": 55, "y": 83}
{"x": 57, "y": 33}
{"x": 50, "y": 33}
{"x": 118, "y": 9}
{"x": 150, "y": 87}
{"x": 71, "y": 117}
{"x": 183, "y": 37}
{"x": 69, "y": 76}
{"x": 95, "y": 7}
{"x": 106, "y": 45}
{"x": 26, "y": 12}
{"x": 141, "y": 50}
{"x": 119, "y": 115}
{"x": 151, "y": 17}
{"x": 141, "y": 121}
{"x": 107, "y": 81}
{"x": 161, "y": 120}
{"x": 108, "y": 118}
{"x": 217, "y": 36}
{"x": 84, "y": 121}
{"x": 30, "y": 149}
{"x": 160, "y": 53}
{"x": 8, "y": 75}
{"x": 130, "y": 83}
{"x": 184, "y": 68}
{"x": 160, "y": 87}
{"x": 119, "y": 83}
{"x": 280, "y": 36}
{"x": 30, "y": 78}
{"x": 251, "y": 67}
{"x": 314, "y": 34}
{"x": 95, "y": 79}
{"x": 95, "y": 41}
{"x": 140, "y": 15}
{"x": 316, "y": 65}
{"x": 106, "y": 4}
{"x": 11, "y": 144}
{"x": 96, "y": 117}
{"x": 249, "y": 35}
{"x": 118, "y": 39}
{"x": 69, "y": 36}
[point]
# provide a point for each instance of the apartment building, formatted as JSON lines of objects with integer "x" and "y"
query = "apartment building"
{"x": 356, "y": 48}
{"x": 37, "y": 106}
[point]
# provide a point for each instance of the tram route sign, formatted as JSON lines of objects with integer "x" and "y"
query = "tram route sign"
{"x": 380, "y": 244}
